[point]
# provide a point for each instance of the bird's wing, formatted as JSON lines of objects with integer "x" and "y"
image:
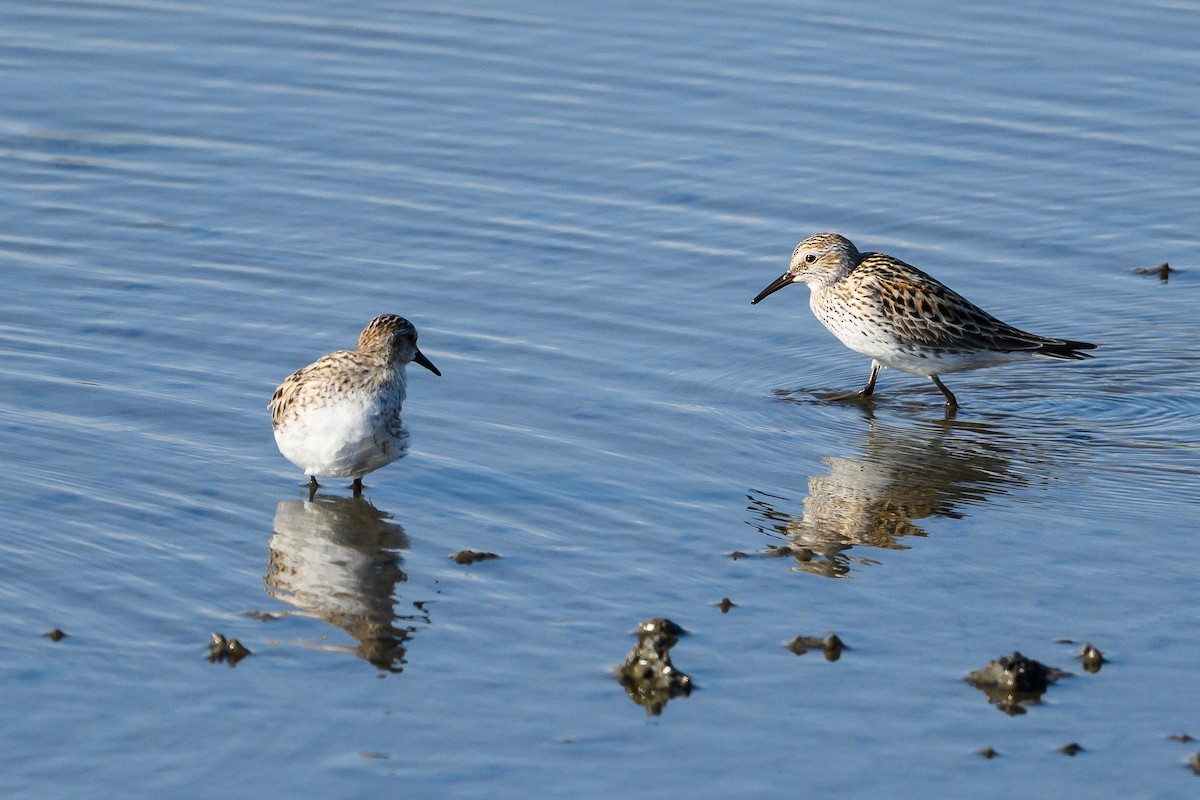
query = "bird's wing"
{"x": 286, "y": 394}
{"x": 929, "y": 313}
{"x": 313, "y": 381}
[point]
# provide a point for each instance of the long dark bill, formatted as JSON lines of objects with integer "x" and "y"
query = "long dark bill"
{"x": 780, "y": 282}
{"x": 426, "y": 363}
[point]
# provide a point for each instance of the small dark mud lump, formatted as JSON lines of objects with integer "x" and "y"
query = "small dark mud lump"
{"x": 1016, "y": 673}
{"x": 471, "y": 556}
{"x": 228, "y": 651}
{"x": 1091, "y": 658}
{"x": 649, "y": 677}
{"x": 831, "y": 646}
{"x": 1163, "y": 271}
{"x": 1013, "y": 681}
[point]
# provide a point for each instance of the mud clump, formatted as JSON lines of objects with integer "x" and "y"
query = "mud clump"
{"x": 471, "y": 556}
{"x": 1073, "y": 749}
{"x": 226, "y": 651}
{"x": 1091, "y": 658}
{"x": 55, "y": 634}
{"x": 831, "y": 646}
{"x": 1163, "y": 271}
{"x": 1014, "y": 681}
{"x": 725, "y": 605}
{"x": 987, "y": 752}
{"x": 649, "y": 677}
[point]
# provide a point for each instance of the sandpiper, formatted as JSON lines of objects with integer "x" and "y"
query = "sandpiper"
{"x": 899, "y": 317}
{"x": 339, "y": 417}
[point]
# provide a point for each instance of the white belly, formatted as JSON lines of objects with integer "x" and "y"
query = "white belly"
{"x": 879, "y": 342}
{"x": 347, "y": 439}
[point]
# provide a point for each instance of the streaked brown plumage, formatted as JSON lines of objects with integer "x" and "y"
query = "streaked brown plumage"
{"x": 902, "y": 318}
{"x": 340, "y": 416}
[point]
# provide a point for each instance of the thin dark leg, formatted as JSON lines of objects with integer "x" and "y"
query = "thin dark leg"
{"x": 312, "y": 487}
{"x": 951, "y": 403}
{"x": 869, "y": 389}
{"x": 866, "y": 391}
{"x": 357, "y": 487}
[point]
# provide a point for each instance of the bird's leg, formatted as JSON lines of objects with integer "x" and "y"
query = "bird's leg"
{"x": 866, "y": 391}
{"x": 312, "y": 487}
{"x": 869, "y": 389}
{"x": 951, "y": 403}
{"x": 357, "y": 487}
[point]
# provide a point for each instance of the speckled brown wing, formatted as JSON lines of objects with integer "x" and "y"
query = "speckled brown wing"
{"x": 927, "y": 313}
{"x": 285, "y": 395}
{"x": 315, "y": 381}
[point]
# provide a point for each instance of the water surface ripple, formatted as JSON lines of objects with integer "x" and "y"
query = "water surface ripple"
{"x": 575, "y": 205}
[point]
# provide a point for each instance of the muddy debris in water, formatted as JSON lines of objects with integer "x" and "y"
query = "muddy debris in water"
{"x": 649, "y": 677}
{"x": 1091, "y": 658}
{"x": 810, "y": 560}
{"x": 227, "y": 651}
{"x": 1194, "y": 763}
{"x": 736, "y": 554}
{"x": 987, "y": 752}
{"x": 660, "y": 626}
{"x": 1014, "y": 681}
{"x": 1072, "y": 749}
{"x": 830, "y": 645}
{"x": 471, "y": 556}
{"x": 55, "y": 634}
{"x": 1163, "y": 271}
{"x": 725, "y": 604}
{"x": 1181, "y": 737}
{"x": 267, "y": 616}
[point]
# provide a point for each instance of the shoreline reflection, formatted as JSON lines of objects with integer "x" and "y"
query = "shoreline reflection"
{"x": 338, "y": 559}
{"x": 872, "y": 499}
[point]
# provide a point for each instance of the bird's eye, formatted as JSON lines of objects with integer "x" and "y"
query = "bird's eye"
{"x": 810, "y": 258}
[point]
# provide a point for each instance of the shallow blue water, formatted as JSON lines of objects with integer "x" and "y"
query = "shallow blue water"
{"x": 575, "y": 207}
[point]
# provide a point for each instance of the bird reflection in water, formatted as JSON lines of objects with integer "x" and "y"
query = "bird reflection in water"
{"x": 871, "y": 499}
{"x": 337, "y": 558}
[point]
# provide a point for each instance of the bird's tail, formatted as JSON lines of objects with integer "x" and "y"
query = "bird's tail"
{"x": 1065, "y": 348}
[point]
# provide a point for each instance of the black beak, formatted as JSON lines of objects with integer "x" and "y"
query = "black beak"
{"x": 780, "y": 282}
{"x": 426, "y": 363}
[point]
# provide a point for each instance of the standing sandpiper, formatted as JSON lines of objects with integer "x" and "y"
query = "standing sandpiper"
{"x": 339, "y": 417}
{"x": 899, "y": 317}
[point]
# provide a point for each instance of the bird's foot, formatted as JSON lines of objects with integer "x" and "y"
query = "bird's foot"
{"x": 859, "y": 397}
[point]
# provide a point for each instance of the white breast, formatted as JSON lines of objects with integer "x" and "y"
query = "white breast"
{"x": 347, "y": 436}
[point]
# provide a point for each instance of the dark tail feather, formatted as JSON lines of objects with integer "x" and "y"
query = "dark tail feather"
{"x": 1065, "y": 348}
